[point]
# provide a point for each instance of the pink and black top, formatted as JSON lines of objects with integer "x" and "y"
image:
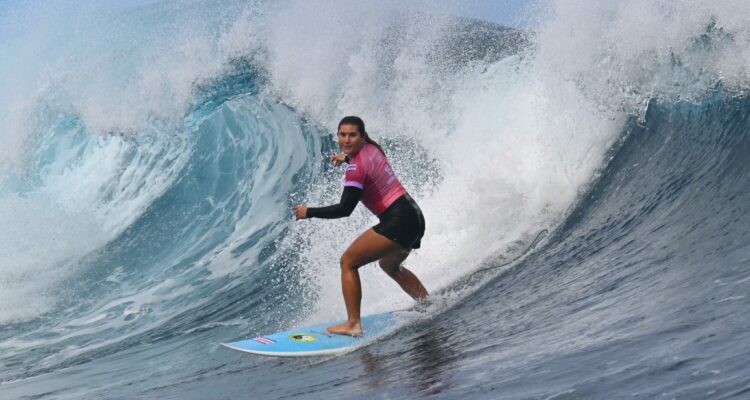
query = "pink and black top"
{"x": 369, "y": 172}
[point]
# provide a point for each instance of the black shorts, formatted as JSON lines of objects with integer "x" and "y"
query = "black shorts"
{"x": 402, "y": 222}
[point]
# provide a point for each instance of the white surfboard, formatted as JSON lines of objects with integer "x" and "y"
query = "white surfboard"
{"x": 315, "y": 340}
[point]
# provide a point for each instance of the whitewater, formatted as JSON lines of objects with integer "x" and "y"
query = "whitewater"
{"x": 584, "y": 175}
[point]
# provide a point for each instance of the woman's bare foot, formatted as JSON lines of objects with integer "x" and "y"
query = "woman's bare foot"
{"x": 351, "y": 328}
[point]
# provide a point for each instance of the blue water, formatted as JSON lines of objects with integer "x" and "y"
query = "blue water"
{"x": 586, "y": 194}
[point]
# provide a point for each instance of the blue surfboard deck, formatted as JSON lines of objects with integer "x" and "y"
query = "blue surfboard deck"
{"x": 315, "y": 340}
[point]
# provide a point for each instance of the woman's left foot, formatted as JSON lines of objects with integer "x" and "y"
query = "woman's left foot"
{"x": 350, "y": 328}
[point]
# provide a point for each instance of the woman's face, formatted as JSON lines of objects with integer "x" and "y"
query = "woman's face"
{"x": 350, "y": 140}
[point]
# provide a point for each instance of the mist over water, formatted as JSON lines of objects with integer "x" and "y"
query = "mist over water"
{"x": 152, "y": 154}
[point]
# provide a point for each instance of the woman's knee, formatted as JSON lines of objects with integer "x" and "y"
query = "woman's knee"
{"x": 348, "y": 261}
{"x": 389, "y": 267}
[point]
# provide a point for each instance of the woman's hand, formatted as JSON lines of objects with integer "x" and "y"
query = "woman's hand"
{"x": 338, "y": 159}
{"x": 300, "y": 212}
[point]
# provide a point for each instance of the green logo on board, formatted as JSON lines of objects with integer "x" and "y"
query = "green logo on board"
{"x": 300, "y": 337}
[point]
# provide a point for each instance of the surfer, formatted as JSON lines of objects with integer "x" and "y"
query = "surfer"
{"x": 370, "y": 179}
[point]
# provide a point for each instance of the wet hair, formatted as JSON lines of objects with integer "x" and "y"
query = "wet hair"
{"x": 357, "y": 121}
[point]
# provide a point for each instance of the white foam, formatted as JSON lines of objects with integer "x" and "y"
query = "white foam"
{"x": 622, "y": 54}
{"x": 117, "y": 71}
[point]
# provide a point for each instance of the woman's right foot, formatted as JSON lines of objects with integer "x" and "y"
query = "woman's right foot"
{"x": 349, "y": 328}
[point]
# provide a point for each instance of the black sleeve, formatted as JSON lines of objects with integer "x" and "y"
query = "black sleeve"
{"x": 349, "y": 200}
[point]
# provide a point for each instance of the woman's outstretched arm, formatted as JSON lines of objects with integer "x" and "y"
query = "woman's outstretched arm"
{"x": 344, "y": 208}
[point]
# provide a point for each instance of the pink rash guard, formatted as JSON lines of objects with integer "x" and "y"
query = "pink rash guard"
{"x": 369, "y": 170}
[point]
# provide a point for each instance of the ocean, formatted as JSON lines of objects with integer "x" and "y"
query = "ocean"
{"x": 584, "y": 175}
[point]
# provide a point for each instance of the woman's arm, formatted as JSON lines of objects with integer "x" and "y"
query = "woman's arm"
{"x": 349, "y": 200}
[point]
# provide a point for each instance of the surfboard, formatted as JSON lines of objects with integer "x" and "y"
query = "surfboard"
{"x": 315, "y": 340}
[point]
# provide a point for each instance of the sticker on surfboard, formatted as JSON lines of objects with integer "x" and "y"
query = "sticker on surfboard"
{"x": 315, "y": 340}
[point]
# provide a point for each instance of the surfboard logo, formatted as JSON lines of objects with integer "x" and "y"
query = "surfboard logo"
{"x": 301, "y": 337}
{"x": 264, "y": 340}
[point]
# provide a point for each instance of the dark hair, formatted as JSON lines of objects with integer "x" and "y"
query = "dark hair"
{"x": 357, "y": 121}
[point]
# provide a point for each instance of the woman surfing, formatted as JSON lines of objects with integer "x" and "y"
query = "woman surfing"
{"x": 370, "y": 179}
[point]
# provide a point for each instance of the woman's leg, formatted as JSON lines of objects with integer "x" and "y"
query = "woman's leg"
{"x": 391, "y": 264}
{"x": 368, "y": 247}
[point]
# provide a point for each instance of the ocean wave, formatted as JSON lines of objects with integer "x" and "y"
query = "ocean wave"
{"x": 145, "y": 199}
